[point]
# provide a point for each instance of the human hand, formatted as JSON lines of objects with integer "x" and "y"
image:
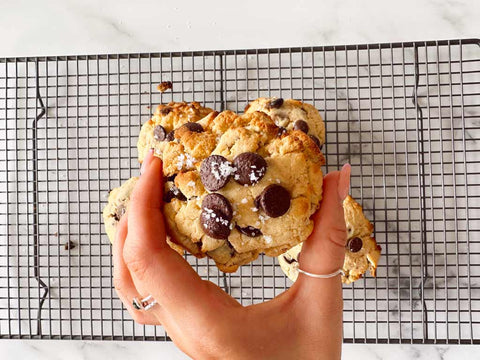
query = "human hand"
{"x": 304, "y": 322}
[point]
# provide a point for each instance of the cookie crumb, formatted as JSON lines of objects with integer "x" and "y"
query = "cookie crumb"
{"x": 69, "y": 245}
{"x": 164, "y": 86}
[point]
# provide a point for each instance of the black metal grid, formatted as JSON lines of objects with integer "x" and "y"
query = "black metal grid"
{"x": 405, "y": 115}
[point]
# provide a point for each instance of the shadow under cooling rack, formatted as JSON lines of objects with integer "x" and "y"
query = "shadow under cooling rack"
{"x": 405, "y": 115}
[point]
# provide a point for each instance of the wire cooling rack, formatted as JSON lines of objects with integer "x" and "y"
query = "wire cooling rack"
{"x": 405, "y": 115}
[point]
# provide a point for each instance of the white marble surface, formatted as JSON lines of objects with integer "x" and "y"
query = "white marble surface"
{"x": 78, "y": 27}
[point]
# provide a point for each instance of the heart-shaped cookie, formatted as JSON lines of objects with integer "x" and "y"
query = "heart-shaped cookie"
{"x": 236, "y": 185}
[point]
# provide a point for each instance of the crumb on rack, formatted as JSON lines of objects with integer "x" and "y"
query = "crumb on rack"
{"x": 69, "y": 245}
{"x": 164, "y": 86}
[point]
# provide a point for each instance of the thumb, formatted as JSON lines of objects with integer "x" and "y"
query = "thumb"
{"x": 324, "y": 251}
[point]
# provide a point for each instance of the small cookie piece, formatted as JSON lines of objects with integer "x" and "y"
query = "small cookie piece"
{"x": 361, "y": 251}
{"x": 158, "y": 131}
{"x": 291, "y": 114}
{"x": 118, "y": 201}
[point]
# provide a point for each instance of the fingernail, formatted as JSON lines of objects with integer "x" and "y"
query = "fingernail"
{"x": 146, "y": 161}
{"x": 344, "y": 181}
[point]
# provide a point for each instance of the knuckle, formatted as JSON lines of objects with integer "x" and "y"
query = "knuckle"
{"x": 337, "y": 235}
{"x": 136, "y": 264}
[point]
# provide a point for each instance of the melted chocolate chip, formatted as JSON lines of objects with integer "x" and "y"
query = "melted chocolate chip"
{"x": 289, "y": 261}
{"x": 316, "y": 141}
{"x": 281, "y": 131}
{"x": 165, "y": 111}
{"x": 355, "y": 244}
{"x": 215, "y": 172}
{"x": 275, "y": 104}
{"x": 173, "y": 193}
{"x": 159, "y": 133}
{"x": 249, "y": 231}
{"x": 274, "y": 200}
{"x": 170, "y": 136}
{"x": 216, "y": 216}
{"x": 194, "y": 127}
{"x": 301, "y": 125}
{"x": 230, "y": 246}
{"x": 250, "y": 168}
{"x": 171, "y": 177}
{"x": 220, "y": 202}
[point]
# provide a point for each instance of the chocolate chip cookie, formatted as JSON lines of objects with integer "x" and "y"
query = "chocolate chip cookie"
{"x": 292, "y": 114}
{"x": 361, "y": 252}
{"x": 118, "y": 201}
{"x": 235, "y": 185}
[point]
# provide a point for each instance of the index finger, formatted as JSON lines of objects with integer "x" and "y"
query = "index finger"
{"x": 154, "y": 266}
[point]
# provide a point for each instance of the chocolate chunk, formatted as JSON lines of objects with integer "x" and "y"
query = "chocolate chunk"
{"x": 355, "y": 244}
{"x": 275, "y": 104}
{"x": 289, "y": 261}
{"x": 119, "y": 212}
{"x": 173, "y": 193}
{"x": 215, "y": 172}
{"x": 69, "y": 245}
{"x": 216, "y": 216}
{"x": 170, "y": 136}
{"x": 231, "y": 248}
{"x": 194, "y": 127}
{"x": 165, "y": 111}
{"x": 171, "y": 177}
{"x": 274, "y": 200}
{"x": 316, "y": 141}
{"x": 168, "y": 196}
{"x": 164, "y": 86}
{"x": 281, "y": 131}
{"x": 301, "y": 125}
{"x": 256, "y": 201}
{"x": 250, "y": 168}
{"x": 159, "y": 133}
{"x": 249, "y": 231}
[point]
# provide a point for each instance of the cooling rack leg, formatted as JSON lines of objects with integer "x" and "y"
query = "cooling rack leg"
{"x": 36, "y": 266}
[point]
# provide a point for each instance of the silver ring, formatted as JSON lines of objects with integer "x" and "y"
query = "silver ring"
{"x": 319, "y": 276}
{"x": 145, "y": 304}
